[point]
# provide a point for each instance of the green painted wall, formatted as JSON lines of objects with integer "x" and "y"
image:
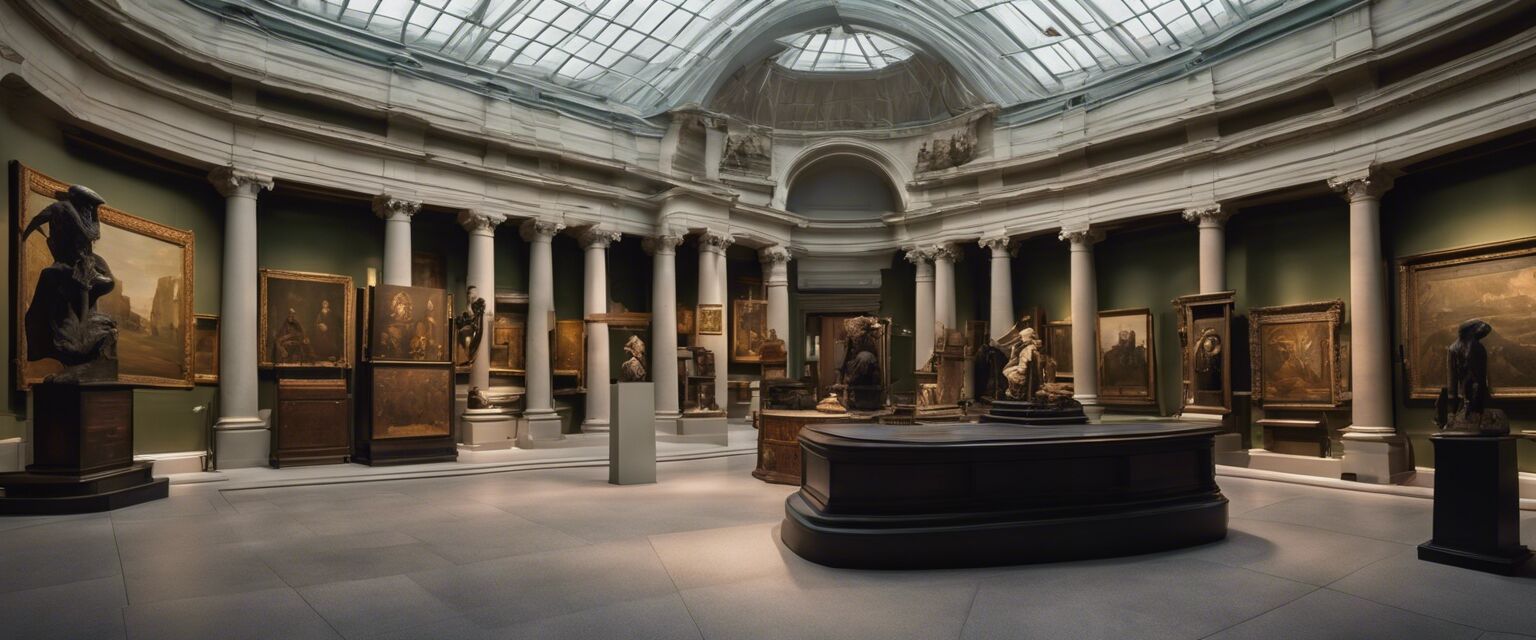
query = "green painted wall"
{"x": 1042, "y": 277}
{"x": 1148, "y": 267}
{"x": 898, "y": 301}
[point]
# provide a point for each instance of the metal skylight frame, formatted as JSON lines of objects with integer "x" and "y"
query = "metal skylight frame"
{"x": 838, "y": 49}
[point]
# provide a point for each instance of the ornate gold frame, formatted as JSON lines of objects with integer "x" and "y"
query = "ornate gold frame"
{"x": 1330, "y": 312}
{"x": 1098, "y": 358}
{"x": 738, "y": 311}
{"x": 31, "y": 183}
{"x": 719, "y": 310}
{"x": 1189, "y": 307}
{"x": 349, "y": 304}
{"x": 1408, "y": 269}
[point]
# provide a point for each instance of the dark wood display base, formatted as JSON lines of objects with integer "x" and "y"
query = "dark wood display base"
{"x": 966, "y": 495}
{"x": 1477, "y": 505}
{"x": 312, "y": 421}
{"x": 778, "y": 441}
{"x": 47, "y": 494}
{"x": 1028, "y": 413}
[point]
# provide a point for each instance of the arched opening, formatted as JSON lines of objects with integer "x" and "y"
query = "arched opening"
{"x": 842, "y": 187}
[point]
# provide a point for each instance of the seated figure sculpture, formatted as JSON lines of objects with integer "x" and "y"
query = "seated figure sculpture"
{"x": 1033, "y": 396}
{"x": 63, "y": 322}
{"x": 860, "y": 378}
{"x": 1462, "y": 408}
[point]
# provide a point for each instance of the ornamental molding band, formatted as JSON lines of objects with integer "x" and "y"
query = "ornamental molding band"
{"x": 715, "y": 241}
{"x": 387, "y": 206}
{"x": 232, "y": 182}
{"x": 480, "y": 222}
{"x": 536, "y": 230}
{"x": 663, "y": 244}
{"x": 1372, "y": 182}
{"x": 774, "y": 255}
{"x": 598, "y": 236}
{"x": 1083, "y": 236}
{"x": 1211, "y": 213}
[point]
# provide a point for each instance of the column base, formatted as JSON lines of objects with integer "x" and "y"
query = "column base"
{"x": 666, "y": 423}
{"x": 594, "y": 426}
{"x": 486, "y": 429}
{"x": 707, "y": 430}
{"x": 241, "y": 442}
{"x": 540, "y": 430}
{"x": 1092, "y": 408}
{"x": 13, "y": 455}
{"x": 1377, "y": 456}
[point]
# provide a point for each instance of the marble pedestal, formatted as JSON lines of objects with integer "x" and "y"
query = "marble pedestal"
{"x": 241, "y": 445}
{"x": 1379, "y": 458}
{"x": 632, "y": 434}
{"x": 487, "y": 429}
{"x": 709, "y": 429}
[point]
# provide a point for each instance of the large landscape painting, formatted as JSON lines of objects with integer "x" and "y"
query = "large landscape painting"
{"x": 1495, "y": 283}
{"x": 151, "y": 300}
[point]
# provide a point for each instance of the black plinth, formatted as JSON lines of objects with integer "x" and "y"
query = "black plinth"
{"x": 1477, "y": 505}
{"x": 966, "y": 495}
{"x": 1016, "y": 412}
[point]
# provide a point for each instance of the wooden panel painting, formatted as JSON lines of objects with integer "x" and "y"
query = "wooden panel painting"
{"x": 410, "y": 324}
{"x": 1058, "y": 342}
{"x": 412, "y": 401}
{"x": 1295, "y": 355}
{"x": 1126, "y": 363}
{"x": 305, "y": 319}
{"x": 750, "y": 318}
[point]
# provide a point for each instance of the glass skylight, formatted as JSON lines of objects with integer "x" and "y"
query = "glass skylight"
{"x": 835, "y": 49}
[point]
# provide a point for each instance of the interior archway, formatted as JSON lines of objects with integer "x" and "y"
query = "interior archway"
{"x": 842, "y": 187}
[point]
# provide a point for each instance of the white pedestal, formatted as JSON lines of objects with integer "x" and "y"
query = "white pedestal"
{"x": 13, "y": 455}
{"x": 632, "y": 434}
{"x": 711, "y": 430}
{"x": 667, "y": 424}
{"x": 487, "y": 429}
{"x": 540, "y": 430}
{"x": 1377, "y": 458}
{"x": 243, "y": 445}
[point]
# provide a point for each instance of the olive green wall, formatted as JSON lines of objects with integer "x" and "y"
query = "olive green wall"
{"x": 1147, "y": 267}
{"x": 898, "y": 301}
{"x": 1042, "y": 277}
{"x": 30, "y": 133}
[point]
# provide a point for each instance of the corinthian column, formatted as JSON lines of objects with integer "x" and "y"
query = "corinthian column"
{"x": 1213, "y": 246}
{"x": 595, "y": 242}
{"x": 1085, "y": 318}
{"x": 241, "y": 438}
{"x": 487, "y": 427}
{"x": 944, "y": 258}
{"x": 712, "y": 246}
{"x": 776, "y": 276}
{"x": 1001, "y": 317}
{"x": 663, "y": 249}
{"x": 538, "y": 379}
{"x": 1373, "y": 450}
{"x": 397, "y": 237}
{"x": 923, "y": 332}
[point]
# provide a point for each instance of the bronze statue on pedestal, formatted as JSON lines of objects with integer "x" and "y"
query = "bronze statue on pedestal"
{"x": 1462, "y": 408}
{"x": 63, "y": 322}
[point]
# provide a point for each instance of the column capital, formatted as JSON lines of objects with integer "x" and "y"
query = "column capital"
{"x": 536, "y": 230}
{"x": 598, "y": 237}
{"x": 774, "y": 255}
{"x": 715, "y": 241}
{"x": 919, "y": 256}
{"x": 1080, "y": 236}
{"x": 665, "y": 244}
{"x": 480, "y": 222}
{"x": 998, "y": 243}
{"x": 944, "y": 251}
{"x": 1369, "y": 183}
{"x": 387, "y": 206}
{"x": 234, "y": 182}
{"x": 1212, "y": 213}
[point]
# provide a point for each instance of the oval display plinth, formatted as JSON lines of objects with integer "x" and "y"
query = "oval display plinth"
{"x": 968, "y": 495}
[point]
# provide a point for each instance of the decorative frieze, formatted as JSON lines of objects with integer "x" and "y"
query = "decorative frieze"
{"x": 945, "y": 152}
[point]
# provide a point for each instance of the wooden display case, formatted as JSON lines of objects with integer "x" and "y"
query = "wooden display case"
{"x": 311, "y": 422}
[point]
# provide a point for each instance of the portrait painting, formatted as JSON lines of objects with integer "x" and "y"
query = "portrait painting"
{"x": 750, "y": 318}
{"x": 205, "y": 349}
{"x": 151, "y": 296}
{"x": 409, "y": 324}
{"x": 1126, "y": 365}
{"x": 1205, "y": 327}
{"x": 305, "y": 319}
{"x": 1495, "y": 283}
{"x": 710, "y": 319}
{"x": 1058, "y": 343}
{"x": 412, "y": 401}
{"x": 1295, "y": 355}
{"x": 685, "y": 324}
{"x": 571, "y": 348}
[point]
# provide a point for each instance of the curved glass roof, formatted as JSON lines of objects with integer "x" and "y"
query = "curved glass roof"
{"x": 636, "y": 52}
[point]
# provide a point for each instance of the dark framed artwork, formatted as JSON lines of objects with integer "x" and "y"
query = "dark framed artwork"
{"x": 409, "y": 324}
{"x": 1205, "y": 338}
{"x": 1058, "y": 343}
{"x": 151, "y": 300}
{"x": 685, "y": 325}
{"x": 411, "y": 400}
{"x": 1493, "y": 282}
{"x": 305, "y": 319}
{"x": 1127, "y": 364}
{"x": 711, "y": 320}
{"x": 205, "y": 349}
{"x": 508, "y": 340}
{"x": 750, "y": 318}
{"x": 571, "y": 349}
{"x": 1296, "y": 357}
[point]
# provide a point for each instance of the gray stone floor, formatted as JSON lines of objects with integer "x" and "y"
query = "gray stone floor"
{"x": 562, "y": 554}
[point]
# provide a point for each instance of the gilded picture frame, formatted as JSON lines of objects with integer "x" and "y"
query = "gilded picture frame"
{"x": 1295, "y": 356}
{"x": 710, "y": 320}
{"x": 685, "y": 324}
{"x": 308, "y": 297}
{"x": 409, "y": 324}
{"x": 1438, "y": 291}
{"x": 149, "y": 354}
{"x": 205, "y": 349}
{"x": 750, "y": 318}
{"x": 570, "y": 350}
{"x": 1205, "y": 353}
{"x": 1127, "y": 359}
{"x": 1058, "y": 343}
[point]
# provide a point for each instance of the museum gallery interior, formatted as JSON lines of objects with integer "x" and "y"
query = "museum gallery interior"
{"x": 769, "y": 319}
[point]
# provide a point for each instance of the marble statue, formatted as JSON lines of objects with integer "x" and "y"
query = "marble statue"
{"x": 634, "y": 368}
{"x": 1462, "y": 408}
{"x": 62, "y": 322}
{"x": 469, "y": 328}
{"x": 1024, "y": 371}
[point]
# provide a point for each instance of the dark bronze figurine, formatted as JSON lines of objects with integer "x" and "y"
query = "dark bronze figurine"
{"x": 469, "y": 328}
{"x": 1462, "y": 408}
{"x": 63, "y": 322}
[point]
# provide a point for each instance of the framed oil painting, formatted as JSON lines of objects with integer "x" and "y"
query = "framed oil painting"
{"x": 427, "y": 270}
{"x": 571, "y": 349}
{"x": 508, "y": 340}
{"x": 412, "y": 401}
{"x": 1205, "y": 337}
{"x": 205, "y": 349}
{"x": 685, "y": 325}
{"x": 151, "y": 300}
{"x": 710, "y": 320}
{"x": 409, "y": 324}
{"x": 750, "y": 318}
{"x": 1058, "y": 343}
{"x": 305, "y": 319}
{"x": 1493, "y": 282}
{"x": 1295, "y": 355}
{"x": 1127, "y": 367}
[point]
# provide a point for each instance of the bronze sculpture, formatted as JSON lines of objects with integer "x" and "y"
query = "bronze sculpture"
{"x": 1462, "y": 408}
{"x": 469, "y": 328}
{"x": 634, "y": 368}
{"x": 63, "y": 321}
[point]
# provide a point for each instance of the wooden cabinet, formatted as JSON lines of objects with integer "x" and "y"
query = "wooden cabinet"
{"x": 312, "y": 421}
{"x": 778, "y": 442}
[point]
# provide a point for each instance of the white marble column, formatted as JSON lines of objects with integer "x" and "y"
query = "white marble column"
{"x": 1001, "y": 317}
{"x": 1085, "y": 319}
{"x": 538, "y": 378}
{"x": 241, "y": 438}
{"x": 1213, "y": 246}
{"x": 1373, "y": 450}
{"x": 712, "y": 246}
{"x": 944, "y": 258}
{"x": 483, "y": 428}
{"x": 922, "y": 333}
{"x": 776, "y": 277}
{"x": 594, "y": 242}
{"x": 397, "y": 237}
{"x": 663, "y": 347}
